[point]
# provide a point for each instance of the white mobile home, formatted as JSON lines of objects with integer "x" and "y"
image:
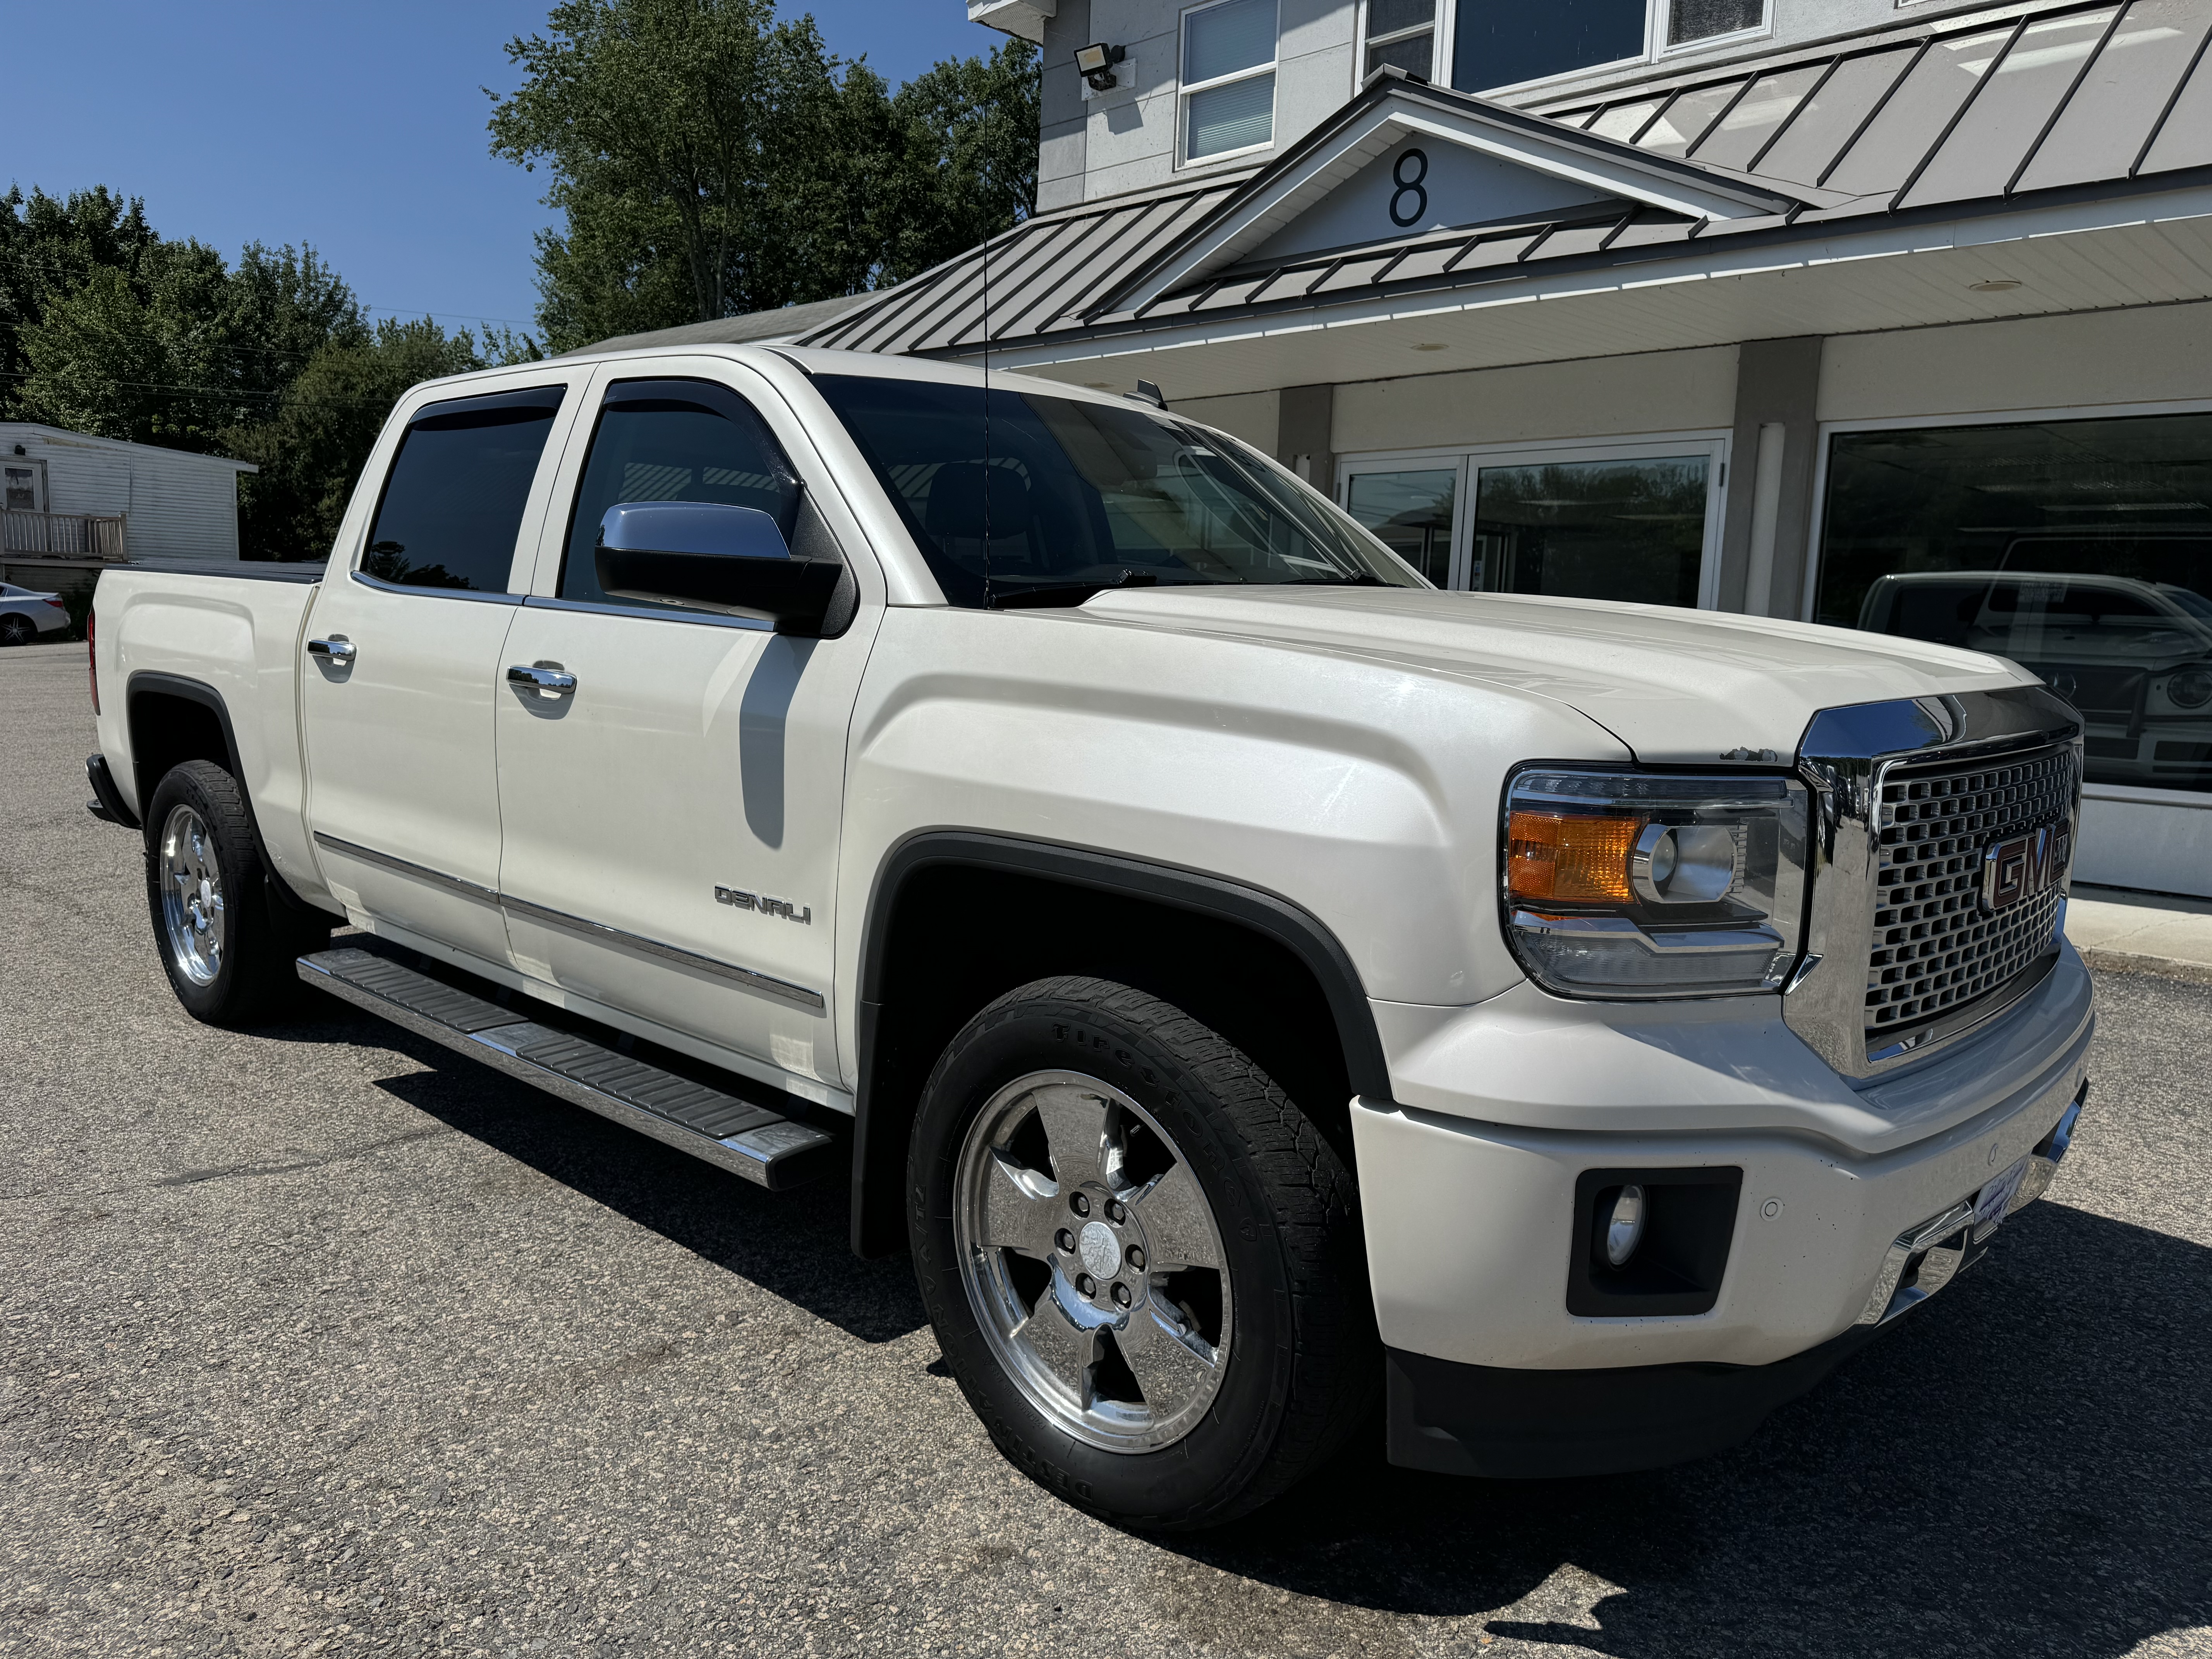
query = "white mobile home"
{"x": 70, "y": 494}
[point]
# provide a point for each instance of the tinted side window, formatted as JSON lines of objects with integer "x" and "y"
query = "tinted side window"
{"x": 674, "y": 441}
{"x": 453, "y": 506}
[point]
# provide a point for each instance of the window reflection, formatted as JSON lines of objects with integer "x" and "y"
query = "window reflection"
{"x": 1631, "y": 530}
{"x": 1411, "y": 514}
{"x": 2083, "y": 549}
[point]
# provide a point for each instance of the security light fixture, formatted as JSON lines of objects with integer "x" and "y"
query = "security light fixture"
{"x": 1096, "y": 61}
{"x": 1995, "y": 285}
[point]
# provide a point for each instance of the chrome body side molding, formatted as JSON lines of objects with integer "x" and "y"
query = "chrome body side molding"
{"x": 765, "y": 984}
{"x": 749, "y": 979}
{"x": 406, "y": 867}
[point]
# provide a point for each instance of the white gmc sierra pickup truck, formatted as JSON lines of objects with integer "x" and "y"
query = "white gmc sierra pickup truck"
{"x": 1249, "y": 981}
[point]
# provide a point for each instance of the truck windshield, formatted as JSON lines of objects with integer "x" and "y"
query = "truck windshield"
{"x": 1062, "y": 497}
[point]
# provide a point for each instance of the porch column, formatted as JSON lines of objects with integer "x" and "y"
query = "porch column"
{"x": 1303, "y": 434}
{"x": 1766, "y": 535}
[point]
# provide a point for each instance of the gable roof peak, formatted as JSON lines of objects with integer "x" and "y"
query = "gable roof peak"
{"x": 1454, "y": 159}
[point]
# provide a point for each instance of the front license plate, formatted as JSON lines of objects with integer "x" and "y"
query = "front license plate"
{"x": 1990, "y": 1206}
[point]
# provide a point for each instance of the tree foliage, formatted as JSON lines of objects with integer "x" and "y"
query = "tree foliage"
{"x": 108, "y": 328}
{"x": 707, "y": 160}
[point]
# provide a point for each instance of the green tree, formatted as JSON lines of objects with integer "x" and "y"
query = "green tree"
{"x": 967, "y": 164}
{"x": 106, "y": 327}
{"x": 708, "y": 160}
{"x": 96, "y": 361}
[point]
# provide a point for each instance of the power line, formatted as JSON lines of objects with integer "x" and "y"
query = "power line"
{"x": 461, "y": 316}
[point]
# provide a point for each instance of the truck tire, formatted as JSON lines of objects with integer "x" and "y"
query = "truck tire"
{"x": 1143, "y": 1262}
{"x": 228, "y": 942}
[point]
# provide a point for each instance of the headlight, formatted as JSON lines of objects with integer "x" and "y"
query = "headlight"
{"x": 2190, "y": 688}
{"x": 1649, "y": 884}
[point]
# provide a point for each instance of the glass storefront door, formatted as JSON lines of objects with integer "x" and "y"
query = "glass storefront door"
{"x": 1631, "y": 527}
{"x": 1412, "y": 512}
{"x": 1635, "y": 519}
{"x": 2082, "y": 549}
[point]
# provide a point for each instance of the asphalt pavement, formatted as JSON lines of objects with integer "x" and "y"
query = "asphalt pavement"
{"x": 322, "y": 1339}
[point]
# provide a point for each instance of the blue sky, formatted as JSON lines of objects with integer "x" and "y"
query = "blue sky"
{"x": 358, "y": 128}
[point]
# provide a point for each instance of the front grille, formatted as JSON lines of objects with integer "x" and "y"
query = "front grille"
{"x": 1935, "y": 949}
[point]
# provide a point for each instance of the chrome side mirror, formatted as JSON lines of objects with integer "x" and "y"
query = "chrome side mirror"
{"x": 709, "y": 555}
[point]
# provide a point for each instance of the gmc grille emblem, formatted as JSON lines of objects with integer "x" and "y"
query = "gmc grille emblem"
{"x": 2022, "y": 867}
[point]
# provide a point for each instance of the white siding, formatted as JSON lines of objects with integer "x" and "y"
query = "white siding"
{"x": 178, "y": 505}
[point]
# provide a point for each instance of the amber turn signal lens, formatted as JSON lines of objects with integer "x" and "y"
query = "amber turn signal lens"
{"x": 1570, "y": 859}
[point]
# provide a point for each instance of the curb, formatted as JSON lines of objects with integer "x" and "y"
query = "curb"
{"x": 2130, "y": 961}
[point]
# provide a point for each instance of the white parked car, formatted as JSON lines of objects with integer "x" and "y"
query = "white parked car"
{"x": 1249, "y": 981}
{"x": 25, "y": 614}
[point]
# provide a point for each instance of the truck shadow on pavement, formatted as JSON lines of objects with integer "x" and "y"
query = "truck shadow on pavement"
{"x": 2025, "y": 1467}
{"x": 793, "y": 1244}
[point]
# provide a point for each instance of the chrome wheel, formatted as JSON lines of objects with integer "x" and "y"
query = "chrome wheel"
{"x": 191, "y": 897}
{"x": 1092, "y": 1261}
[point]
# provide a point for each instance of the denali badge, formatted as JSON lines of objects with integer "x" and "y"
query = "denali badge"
{"x": 2022, "y": 867}
{"x": 767, "y": 906}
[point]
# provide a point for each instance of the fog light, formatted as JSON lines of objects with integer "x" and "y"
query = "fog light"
{"x": 1625, "y": 1231}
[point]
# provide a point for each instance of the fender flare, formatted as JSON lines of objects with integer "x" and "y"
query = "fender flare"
{"x": 147, "y": 680}
{"x": 879, "y": 1158}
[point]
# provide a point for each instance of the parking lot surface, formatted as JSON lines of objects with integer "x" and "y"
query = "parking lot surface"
{"x": 321, "y": 1339}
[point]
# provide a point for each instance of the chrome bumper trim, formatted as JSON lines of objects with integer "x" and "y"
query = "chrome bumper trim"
{"x": 1924, "y": 1258}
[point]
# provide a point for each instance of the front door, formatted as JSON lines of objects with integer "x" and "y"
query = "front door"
{"x": 670, "y": 822}
{"x": 25, "y": 482}
{"x": 402, "y": 663}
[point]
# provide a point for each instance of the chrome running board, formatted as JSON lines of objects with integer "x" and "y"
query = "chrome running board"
{"x": 763, "y": 1146}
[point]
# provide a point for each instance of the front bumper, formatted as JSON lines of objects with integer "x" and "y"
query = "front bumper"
{"x": 1470, "y": 1218}
{"x": 1522, "y": 1423}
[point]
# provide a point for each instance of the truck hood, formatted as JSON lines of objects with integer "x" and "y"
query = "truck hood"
{"x": 1676, "y": 686}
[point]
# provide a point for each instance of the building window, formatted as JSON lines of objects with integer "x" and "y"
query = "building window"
{"x": 1635, "y": 520}
{"x": 1411, "y": 510}
{"x": 1690, "y": 22}
{"x": 1503, "y": 43}
{"x": 1228, "y": 78}
{"x": 2082, "y": 549}
{"x": 1403, "y": 32}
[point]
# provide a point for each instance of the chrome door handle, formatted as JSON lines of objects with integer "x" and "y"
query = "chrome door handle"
{"x": 546, "y": 678}
{"x": 337, "y": 650}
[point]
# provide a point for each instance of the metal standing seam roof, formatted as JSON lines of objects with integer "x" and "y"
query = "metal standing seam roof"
{"x": 1987, "y": 108}
{"x": 1030, "y": 280}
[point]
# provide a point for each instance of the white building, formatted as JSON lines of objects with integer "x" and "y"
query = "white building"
{"x": 1882, "y": 314}
{"x": 71, "y": 495}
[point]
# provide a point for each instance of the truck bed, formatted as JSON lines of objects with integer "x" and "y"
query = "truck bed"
{"x": 228, "y": 641}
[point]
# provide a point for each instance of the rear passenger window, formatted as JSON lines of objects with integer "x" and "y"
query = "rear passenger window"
{"x": 452, "y": 507}
{"x": 674, "y": 441}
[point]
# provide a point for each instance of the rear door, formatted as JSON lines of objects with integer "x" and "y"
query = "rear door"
{"x": 403, "y": 659}
{"x": 671, "y": 824}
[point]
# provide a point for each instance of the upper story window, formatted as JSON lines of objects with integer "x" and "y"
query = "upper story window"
{"x": 1228, "y": 78}
{"x": 1404, "y": 32}
{"x": 1503, "y": 43}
